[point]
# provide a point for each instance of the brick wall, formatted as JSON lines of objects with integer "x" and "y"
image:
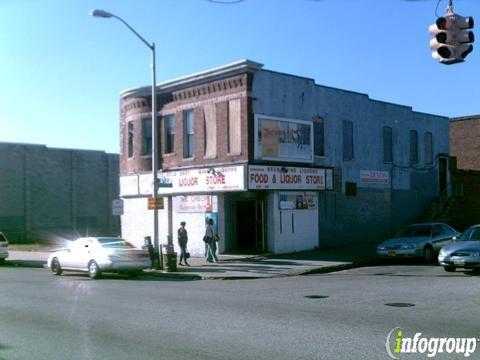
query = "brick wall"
{"x": 465, "y": 142}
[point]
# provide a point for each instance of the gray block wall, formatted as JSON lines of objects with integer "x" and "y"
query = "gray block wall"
{"x": 49, "y": 194}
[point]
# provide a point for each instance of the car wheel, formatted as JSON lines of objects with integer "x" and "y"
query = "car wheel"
{"x": 449, "y": 268}
{"x": 93, "y": 270}
{"x": 428, "y": 254}
{"x": 55, "y": 267}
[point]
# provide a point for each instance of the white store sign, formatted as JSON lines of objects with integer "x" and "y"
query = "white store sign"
{"x": 286, "y": 178}
{"x": 374, "y": 177}
{"x": 205, "y": 180}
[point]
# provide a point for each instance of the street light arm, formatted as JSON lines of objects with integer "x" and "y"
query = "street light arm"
{"x": 106, "y": 14}
{"x": 136, "y": 33}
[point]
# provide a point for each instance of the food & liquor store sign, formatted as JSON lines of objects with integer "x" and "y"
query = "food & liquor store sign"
{"x": 289, "y": 178}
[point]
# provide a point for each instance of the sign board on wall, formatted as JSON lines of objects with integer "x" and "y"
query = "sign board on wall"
{"x": 281, "y": 139}
{"x": 117, "y": 207}
{"x": 288, "y": 178}
{"x": 205, "y": 180}
{"x": 297, "y": 201}
{"x": 197, "y": 204}
{"x": 374, "y": 177}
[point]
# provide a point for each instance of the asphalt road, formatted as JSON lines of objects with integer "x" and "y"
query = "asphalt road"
{"x": 332, "y": 316}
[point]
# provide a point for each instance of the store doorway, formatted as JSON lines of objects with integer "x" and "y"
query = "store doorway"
{"x": 250, "y": 237}
{"x": 442, "y": 174}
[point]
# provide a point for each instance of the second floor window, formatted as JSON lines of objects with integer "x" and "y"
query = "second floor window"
{"x": 130, "y": 139}
{"x": 318, "y": 136}
{"x": 347, "y": 140}
{"x": 188, "y": 134}
{"x": 169, "y": 133}
{"x": 387, "y": 144}
{"x": 146, "y": 136}
{"x": 428, "y": 148}
{"x": 413, "y": 147}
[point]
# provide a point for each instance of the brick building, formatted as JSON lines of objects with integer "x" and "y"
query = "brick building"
{"x": 465, "y": 149}
{"x": 50, "y": 194}
{"x": 283, "y": 164}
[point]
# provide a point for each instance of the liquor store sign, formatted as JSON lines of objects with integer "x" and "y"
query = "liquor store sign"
{"x": 289, "y": 178}
{"x": 205, "y": 180}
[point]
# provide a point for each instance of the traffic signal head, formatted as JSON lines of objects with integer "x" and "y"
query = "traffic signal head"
{"x": 452, "y": 38}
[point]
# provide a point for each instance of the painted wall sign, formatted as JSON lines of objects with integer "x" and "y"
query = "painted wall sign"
{"x": 286, "y": 178}
{"x": 196, "y": 204}
{"x": 374, "y": 177}
{"x": 282, "y": 139}
{"x": 214, "y": 179}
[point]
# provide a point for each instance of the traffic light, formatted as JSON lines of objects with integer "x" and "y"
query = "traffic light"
{"x": 452, "y": 37}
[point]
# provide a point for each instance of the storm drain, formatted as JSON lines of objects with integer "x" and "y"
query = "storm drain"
{"x": 316, "y": 296}
{"x": 400, "y": 304}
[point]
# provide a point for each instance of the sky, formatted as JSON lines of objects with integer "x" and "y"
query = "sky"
{"x": 62, "y": 70}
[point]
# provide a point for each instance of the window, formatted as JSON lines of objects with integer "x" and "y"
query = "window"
{"x": 169, "y": 133}
{"x": 347, "y": 140}
{"x": 130, "y": 139}
{"x": 146, "y": 136}
{"x": 413, "y": 147}
{"x": 387, "y": 144}
{"x": 318, "y": 136}
{"x": 428, "y": 148}
{"x": 210, "y": 128}
{"x": 188, "y": 134}
{"x": 234, "y": 127}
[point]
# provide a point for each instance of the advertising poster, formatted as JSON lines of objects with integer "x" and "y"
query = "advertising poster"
{"x": 283, "y": 139}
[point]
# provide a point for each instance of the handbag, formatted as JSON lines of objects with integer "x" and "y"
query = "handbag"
{"x": 187, "y": 255}
{"x": 206, "y": 239}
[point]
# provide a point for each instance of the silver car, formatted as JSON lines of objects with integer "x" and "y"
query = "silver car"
{"x": 3, "y": 248}
{"x": 98, "y": 254}
{"x": 463, "y": 253}
{"x": 422, "y": 240}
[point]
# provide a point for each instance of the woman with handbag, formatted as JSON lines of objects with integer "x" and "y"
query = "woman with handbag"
{"x": 182, "y": 243}
{"x": 210, "y": 240}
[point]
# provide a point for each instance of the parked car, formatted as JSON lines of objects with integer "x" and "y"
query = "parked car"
{"x": 3, "y": 248}
{"x": 99, "y": 254}
{"x": 422, "y": 240}
{"x": 463, "y": 253}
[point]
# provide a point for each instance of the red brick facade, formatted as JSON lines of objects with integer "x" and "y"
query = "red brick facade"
{"x": 174, "y": 102}
{"x": 465, "y": 142}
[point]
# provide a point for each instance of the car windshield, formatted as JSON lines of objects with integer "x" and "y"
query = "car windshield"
{"x": 415, "y": 230}
{"x": 115, "y": 243}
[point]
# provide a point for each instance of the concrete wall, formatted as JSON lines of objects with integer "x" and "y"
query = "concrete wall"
{"x": 376, "y": 210}
{"x": 51, "y": 193}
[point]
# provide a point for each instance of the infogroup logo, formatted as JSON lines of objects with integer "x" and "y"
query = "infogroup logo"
{"x": 397, "y": 343}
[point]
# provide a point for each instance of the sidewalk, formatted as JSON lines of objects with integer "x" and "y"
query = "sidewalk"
{"x": 237, "y": 267}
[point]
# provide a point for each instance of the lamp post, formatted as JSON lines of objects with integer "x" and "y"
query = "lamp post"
{"x": 105, "y": 14}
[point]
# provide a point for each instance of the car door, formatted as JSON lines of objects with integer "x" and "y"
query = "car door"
{"x": 442, "y": 235}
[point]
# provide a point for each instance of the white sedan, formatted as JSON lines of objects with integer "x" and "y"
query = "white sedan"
{"x": 98, "y": 254}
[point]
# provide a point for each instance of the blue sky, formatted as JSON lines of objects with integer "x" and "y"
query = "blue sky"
{"x": 61, "y": 70}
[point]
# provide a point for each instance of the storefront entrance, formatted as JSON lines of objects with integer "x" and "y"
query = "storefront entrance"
{"x": 249, "y": 226}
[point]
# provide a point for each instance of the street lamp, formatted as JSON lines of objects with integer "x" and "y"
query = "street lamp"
{"x": 105, "y": 14}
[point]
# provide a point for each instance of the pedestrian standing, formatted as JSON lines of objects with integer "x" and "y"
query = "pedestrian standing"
{"x": 182, "y": 242}
{"x": 210, "y": 239}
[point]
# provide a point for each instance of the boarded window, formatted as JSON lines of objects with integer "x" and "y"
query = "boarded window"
{"x": 413, "y": 147}
{"x": 188, "y": 134}
{"x": 146, "y": 136}
{"x": 347, "y": 140}
{"x": 387, "y": 144}
{"x": 210, "y": 131}
{"x": 428, "y": 148}
{"x": 169, "y": 133}
{"x": 130, "y": 140}
{"x": 318, "y": 136}
{"x": 234, "y": 127}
